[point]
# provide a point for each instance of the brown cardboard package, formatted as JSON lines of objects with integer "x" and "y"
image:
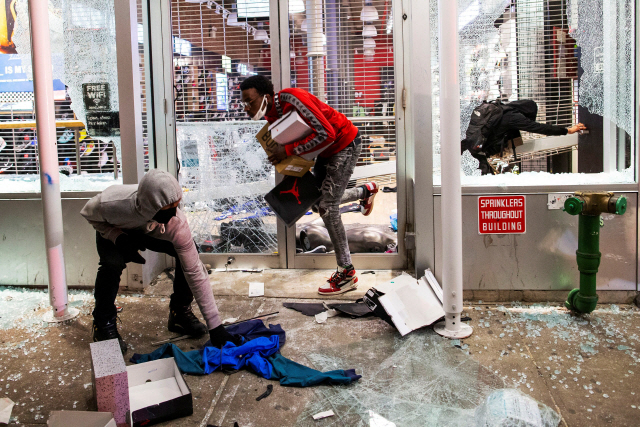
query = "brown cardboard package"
{"x": 293, "y": 166}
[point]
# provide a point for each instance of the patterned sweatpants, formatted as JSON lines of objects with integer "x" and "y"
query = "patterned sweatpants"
{"x": 332, "y": 175}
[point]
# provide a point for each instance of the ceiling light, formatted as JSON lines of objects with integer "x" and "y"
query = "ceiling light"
{"x": 261, "y": 35}
{"x": 369, "y": 44}
{"x": 369, "y": 14}
{"x": 369, "y": 31}
{"x": 232, "y": 20}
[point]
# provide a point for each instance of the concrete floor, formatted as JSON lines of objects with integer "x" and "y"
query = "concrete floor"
{"x": 584, "y": 368}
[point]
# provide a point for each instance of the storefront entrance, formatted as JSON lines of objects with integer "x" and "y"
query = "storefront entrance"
{"x": 341, "y": 52}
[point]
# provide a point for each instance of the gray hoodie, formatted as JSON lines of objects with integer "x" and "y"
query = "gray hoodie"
{"x": 129, "y": 207}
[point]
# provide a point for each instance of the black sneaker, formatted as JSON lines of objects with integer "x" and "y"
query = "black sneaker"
{"x": 183, "y": 321}
{"x": 108, "y": 331}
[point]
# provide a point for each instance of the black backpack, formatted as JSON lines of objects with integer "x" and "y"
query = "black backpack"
{"x": 483, "y": 120}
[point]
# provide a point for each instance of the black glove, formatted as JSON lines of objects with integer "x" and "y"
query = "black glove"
{"x": 128, "y": 248}
{"x": 219, "y": 337}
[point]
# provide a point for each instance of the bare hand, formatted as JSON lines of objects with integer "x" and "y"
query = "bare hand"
{"x": 278, "y": 155}
{"x": 576, "y": 128}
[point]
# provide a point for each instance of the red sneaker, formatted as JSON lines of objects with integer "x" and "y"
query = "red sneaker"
{"x": 370, "y": 191}
{"x": 340, "y": 282}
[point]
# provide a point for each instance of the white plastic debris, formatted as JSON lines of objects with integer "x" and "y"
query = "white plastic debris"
{"x": 321, "y": 317}
{"x": 376, "y": 420}
{"x": 229, "y": 320}
{"x": 324, "y": 414}
{"x": 6, "y": 406}
{"x": 256, "y": 289}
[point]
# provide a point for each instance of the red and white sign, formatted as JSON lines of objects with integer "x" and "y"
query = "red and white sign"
{"x": 501, "y": 215}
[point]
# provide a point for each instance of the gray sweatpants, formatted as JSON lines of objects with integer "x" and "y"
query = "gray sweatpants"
{"x": 334, "y": 173}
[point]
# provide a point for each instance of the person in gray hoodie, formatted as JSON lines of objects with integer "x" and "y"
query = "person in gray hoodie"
{"x": 129, "y": 218}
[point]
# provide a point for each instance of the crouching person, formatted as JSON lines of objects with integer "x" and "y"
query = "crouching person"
{"x": 129, "y": 218}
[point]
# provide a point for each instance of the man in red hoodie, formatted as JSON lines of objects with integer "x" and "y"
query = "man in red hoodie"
{"x": 336, "y": 144}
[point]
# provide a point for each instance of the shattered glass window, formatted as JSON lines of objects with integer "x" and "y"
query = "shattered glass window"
{"x": 224, "y": 171}
{"x": 83, "y": 53}
{"x": 575, "y": 59}
{"x": 225, "y": 174}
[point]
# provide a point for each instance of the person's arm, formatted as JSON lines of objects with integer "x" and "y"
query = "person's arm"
{"x": 92, "y": 213}
{"x": 178, "y": 233}
{"x": 520, "y": 122}
{"x": 322, "y": 134}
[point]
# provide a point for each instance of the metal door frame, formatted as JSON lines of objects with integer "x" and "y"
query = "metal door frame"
{"x": 362, "y": 261}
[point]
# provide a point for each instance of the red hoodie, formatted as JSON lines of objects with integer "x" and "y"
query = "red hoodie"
{"x": 332, "y": 131}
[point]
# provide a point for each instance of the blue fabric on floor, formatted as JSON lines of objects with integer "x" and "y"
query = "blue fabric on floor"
{"x": 252, "y": 354}
{"x": 260, "y": 354}
{"x": 294, "y": 374}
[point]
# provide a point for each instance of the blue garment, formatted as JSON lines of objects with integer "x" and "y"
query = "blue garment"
{"x": 251, "y": 354}
{"x": 294, "y": 374}
{"x": 260, "y": 354}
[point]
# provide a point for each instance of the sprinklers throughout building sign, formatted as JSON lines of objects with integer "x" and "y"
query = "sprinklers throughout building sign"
{"x": 501, "y": 215}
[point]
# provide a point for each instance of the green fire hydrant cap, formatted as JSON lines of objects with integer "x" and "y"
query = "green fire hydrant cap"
{"x": 621, "y": 205}
{"x": 573, "y": 206}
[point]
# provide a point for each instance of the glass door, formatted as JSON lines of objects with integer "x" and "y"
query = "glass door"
{"x": 223, "y": 171}
{"x": 342, "y": 51}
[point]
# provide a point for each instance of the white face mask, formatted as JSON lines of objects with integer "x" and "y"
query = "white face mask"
{"x": 262, "y": 111}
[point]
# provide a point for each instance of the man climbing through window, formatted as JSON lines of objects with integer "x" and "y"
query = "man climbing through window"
{"x": 129, "y": 218}
{"x": 336, "y": 143}
{"x": 489, "y": 136}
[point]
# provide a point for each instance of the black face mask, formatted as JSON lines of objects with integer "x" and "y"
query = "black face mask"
{"x": 164, "y": 216}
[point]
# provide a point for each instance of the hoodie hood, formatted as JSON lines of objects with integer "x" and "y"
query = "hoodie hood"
{"x": 156, "y": 190}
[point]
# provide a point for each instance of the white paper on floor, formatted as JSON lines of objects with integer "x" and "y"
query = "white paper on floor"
{"x": 256, "y": 289}
{"x": 6, "y": 405}
{"x": 229, "y": 320}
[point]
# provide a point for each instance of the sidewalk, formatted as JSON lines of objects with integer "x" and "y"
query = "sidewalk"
{"x": 583, "y": 368}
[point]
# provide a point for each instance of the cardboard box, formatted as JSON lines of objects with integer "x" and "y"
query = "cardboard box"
{"x": 293, "y": 197}
{"x": 157, "y": 393}
{"x": 411, "y": 304}
{"x": 289, "y": 128}
{"x": 80, "y": 419}
{"x": 110, "y": 382}
{"x": 291, "y": 166}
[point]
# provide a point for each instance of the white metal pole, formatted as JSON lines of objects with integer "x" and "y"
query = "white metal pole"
{"x": 315, "y": 46}
{"x": 48, "y": 154}
{"x": 451, "y": 193}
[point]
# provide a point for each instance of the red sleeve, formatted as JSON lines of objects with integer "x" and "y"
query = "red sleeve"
{"x": 322, "y": 134}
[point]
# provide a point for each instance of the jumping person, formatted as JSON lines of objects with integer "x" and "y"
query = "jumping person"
{"x": 336, "y": 143}
{"x": 129, "y": 218}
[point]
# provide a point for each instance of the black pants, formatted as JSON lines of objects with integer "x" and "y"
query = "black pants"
{"x": 112, "y": 264}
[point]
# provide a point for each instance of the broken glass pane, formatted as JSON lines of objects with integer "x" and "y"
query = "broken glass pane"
{"x": 225, "y": 175}
{"x": 426, "y": 381}
{"x": 604, "y": 32}
{"x": 573, "y": 53}
{"x": 83, "y": 50}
